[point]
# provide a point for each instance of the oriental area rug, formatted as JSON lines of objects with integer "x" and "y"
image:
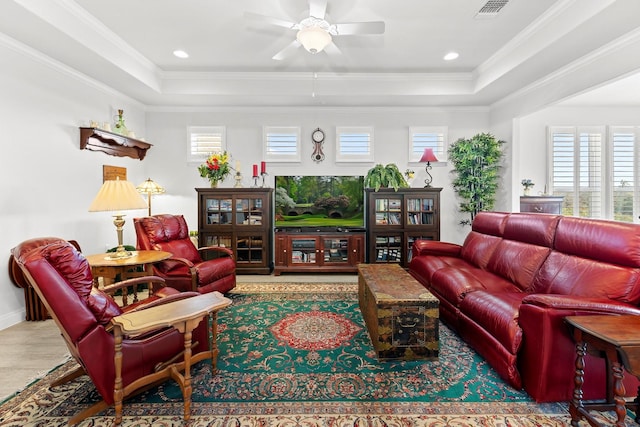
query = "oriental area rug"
{"x": 298, "y": 354}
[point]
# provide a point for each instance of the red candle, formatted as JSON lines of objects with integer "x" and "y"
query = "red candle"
{"x": 255, "y": 170}
{"x": 263, "y": 167}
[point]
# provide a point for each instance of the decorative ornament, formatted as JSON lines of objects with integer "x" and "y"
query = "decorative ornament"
{"x": 317, "y": 137}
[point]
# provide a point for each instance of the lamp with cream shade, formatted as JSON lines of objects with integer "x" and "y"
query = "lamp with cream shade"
{"x": 150, "y": 187}
{"x": 117, "y": 195}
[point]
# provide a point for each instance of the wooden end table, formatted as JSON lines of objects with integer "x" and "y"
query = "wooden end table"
{"x": 109, "y": 268}
{"x": 183, "y": 315}
{"x": 617, "y": 339}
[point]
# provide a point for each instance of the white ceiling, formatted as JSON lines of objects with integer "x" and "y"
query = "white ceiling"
{"x": 128, "y": 45}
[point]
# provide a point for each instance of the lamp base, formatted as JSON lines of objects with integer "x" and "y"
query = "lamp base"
{"x": 120, "y": 253}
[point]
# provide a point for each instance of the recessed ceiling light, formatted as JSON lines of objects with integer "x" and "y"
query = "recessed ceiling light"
{"x": 451, "y": 56}
{"x": 180, "y": 54}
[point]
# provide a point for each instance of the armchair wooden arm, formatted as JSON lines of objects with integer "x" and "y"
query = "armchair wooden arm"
{"x": 218, "y": 250}
{"x": 184, "y": 316}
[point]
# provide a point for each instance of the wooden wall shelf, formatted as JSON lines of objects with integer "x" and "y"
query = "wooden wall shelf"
{"x": 112, "y": 143}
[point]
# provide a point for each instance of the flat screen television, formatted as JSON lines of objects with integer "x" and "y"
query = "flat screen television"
{"x": 319, "y": 201}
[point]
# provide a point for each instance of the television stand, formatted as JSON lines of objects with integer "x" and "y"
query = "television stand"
{"x": 305, "y": 251}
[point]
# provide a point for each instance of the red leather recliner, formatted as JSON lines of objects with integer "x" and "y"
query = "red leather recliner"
{"x": 62, "y": 278}
{"x": 186, "y": 270}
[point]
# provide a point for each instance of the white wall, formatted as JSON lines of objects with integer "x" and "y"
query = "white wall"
{"x": 46, "y": 181}
{"x": 167, "y": 164}
{"x": 533, "y": 150}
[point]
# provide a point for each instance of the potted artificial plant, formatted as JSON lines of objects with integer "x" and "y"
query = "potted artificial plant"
{"x": 385, "y": 176}
{"x": 476, "y": 162}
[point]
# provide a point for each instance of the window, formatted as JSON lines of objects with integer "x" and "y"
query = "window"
{"x": 282, "y": 144}
{"x": 204, "y": 140}
{"x": 595, "y": 169}
{"x": 354, "y": 144}
{"x": 624, "y": 145}
{"x": 427, "y": 137}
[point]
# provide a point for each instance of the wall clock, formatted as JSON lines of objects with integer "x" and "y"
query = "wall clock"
{"x": 317, "y": 137}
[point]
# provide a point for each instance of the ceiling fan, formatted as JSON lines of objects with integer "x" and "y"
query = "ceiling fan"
{"x": 315, "y": 33}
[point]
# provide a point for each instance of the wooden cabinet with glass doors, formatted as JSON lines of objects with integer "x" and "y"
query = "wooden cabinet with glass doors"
{"x": 240, "y": 219}
{"x": 395, "y": 219}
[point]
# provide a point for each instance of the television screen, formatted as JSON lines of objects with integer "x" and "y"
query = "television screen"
{"x": 319, "y": 201}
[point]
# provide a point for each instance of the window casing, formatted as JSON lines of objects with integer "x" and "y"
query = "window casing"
{"x": 596, "y": 170}
{"x": 427, "y": 137}
{"x": 281, "y": 143}
{"x": 354, "y": 144}
{"x": 204, "y": 140}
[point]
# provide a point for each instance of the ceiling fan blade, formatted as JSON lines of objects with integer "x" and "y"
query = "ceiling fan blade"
{"x": 263, "y": 19}
{"x": 287, "y": 51}
{"x": 332, "y": 49}
{"x": 349, "y": 28}
{"x": 317, "y": 8}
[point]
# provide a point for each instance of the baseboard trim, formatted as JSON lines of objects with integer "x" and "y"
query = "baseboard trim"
{"x": 12, "y": 318}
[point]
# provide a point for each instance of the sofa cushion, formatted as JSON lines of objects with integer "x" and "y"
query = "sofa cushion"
{"x": 455, "y": 282}
{"x": 478, "y": 248}
{"x": 486, "y": 232}
{"x": 536, "y": 229}
{"x": 423, "y": 267}
{"x": 571, "y": 275}
{"x": 517, "y": 262}
{"x": 496, "y": 313}
{"x": 609, "y": 241}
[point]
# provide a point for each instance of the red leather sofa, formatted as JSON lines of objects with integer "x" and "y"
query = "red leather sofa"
{"x": 507, "y": 289}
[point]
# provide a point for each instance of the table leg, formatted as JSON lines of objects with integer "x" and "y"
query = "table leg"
{"x": 576, "y": 404}
{"x": 117, "y": 391}
{"x": 186, "y": 390}
{"x": 619, "y": 392}
{"x": 213, "y": 342}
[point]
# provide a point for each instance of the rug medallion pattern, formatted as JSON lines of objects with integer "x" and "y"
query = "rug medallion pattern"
{"x": 299, "y": 354}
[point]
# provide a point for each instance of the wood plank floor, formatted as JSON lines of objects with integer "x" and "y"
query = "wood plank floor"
{"x": 28, "y": 350}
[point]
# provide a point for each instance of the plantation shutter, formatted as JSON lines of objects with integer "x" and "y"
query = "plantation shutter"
{"x": 354, "y": 144}
{"x": 427, "y": 137}
{"x": 282, "y": 144}
{"x": 624, "y": 183}
{"x": 205, "y": 140}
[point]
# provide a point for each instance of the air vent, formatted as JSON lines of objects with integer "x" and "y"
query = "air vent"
{"x": 491, "y": 8}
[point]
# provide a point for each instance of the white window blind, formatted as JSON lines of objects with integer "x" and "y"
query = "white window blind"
{"x": 354, "y": 144}
{"x": 576, "y": 167}
{"x": 204, "y": 140}
{"x": 282, "y": 144}
{"x": 625, "y": 177}
{"x": 427, "y": 137}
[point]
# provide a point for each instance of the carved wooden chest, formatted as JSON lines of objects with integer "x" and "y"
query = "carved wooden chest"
{"x": 401, "y": 315}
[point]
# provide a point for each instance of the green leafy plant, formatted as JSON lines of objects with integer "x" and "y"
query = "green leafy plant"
{"x": 476, "y": 163}
{"x": 385, "y": 176}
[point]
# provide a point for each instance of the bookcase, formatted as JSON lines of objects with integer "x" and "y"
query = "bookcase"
{"x": 239, "y": 219}
{"x": 395, "y": 219}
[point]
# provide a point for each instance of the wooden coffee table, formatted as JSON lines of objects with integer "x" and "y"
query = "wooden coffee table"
{"x": 401, "y": 315}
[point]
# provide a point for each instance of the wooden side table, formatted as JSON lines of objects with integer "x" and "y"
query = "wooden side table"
{"x": 617, "y": 339}
{"x": 126, "y": 268}
{"x": 183, "y": 315}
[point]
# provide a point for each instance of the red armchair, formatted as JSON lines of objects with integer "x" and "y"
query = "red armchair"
{"x": 62, "y": 278}
{"x": 187, "y": 270}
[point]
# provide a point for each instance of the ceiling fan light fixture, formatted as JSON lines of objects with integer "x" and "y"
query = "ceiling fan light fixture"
{"x": 313, "y": 38}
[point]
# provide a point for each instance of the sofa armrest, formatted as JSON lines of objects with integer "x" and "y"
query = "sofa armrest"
{"x": 582, "y": 305}
{"x": 434, "y": 247}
